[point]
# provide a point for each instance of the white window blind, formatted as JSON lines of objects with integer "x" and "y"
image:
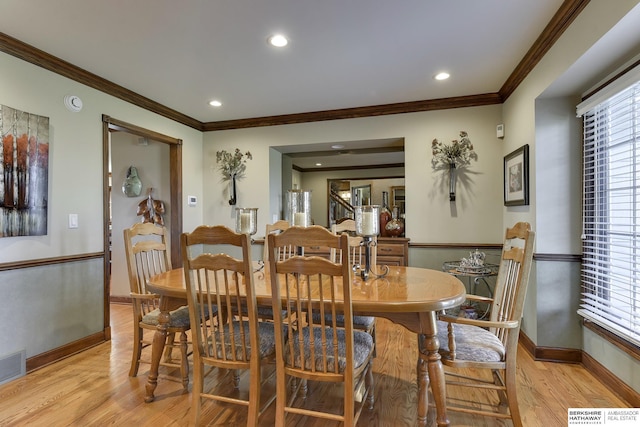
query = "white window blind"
{"x": 611, "y": 214}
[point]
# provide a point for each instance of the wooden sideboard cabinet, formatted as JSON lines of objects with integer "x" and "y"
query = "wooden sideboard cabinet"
{"x": 391, "y": 251}
{"x": 321, "y": 251}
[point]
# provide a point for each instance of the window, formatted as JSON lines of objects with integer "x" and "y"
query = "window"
{"x": 611, "y": 211}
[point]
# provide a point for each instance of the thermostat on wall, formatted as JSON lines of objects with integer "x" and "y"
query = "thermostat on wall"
{"x": 192, "y": 200}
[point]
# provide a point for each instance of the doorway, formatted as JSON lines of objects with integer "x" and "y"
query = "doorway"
{"x": 173, "y": 220}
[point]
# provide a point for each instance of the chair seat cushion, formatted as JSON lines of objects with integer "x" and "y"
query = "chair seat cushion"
{"x": 359, "y": 322}
{"x": 264, "y": 312}
{"x": 472, "y": 343}
{"x": 362, "y": 342}
{"x": 179, "y": 318}
{"x": 266, "y": 334}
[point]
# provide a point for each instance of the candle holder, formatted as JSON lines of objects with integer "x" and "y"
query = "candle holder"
{"x": 247, "y": 221}
{"x": 368, "y": 226}
{"x": 299, "y": 207}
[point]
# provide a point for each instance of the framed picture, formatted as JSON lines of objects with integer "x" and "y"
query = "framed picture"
{"x": 516, "y": 177}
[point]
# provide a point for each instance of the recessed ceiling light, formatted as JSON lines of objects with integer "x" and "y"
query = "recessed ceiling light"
{"x": 215, "y": 103}
{"x": 318, "y": 164}
{"x": 278, "y": 40}
{"x": 442, "y": 76}
{"x": 337, "y": 146}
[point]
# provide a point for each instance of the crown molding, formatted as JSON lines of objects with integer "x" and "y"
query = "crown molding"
{"x": 568, "y": 12}
{"x": 350, "y": 168}
{"x": 358, "y": 112}
{"x": 561, "y": 20}
{"x": 59, "y": 66}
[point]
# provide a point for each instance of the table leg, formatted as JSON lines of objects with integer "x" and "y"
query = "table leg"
{"x": 430, "y": 370}
{"x": 157, "y": 348}
{"x": 423, "y": 384}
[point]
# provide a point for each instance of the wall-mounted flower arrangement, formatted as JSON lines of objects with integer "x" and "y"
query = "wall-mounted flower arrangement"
{"x": 459, "y": 152}
{"x": 452, "y": 156}
{"x": 232, "y": 166}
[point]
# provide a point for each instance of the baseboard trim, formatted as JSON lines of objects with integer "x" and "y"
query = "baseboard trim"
{"x": 569, "y": 355}
{"x": 51, "y": 356}
{"x": 550, "y": 354}
{"x": 120, "y": 300}
{"x": 612, "y": 382}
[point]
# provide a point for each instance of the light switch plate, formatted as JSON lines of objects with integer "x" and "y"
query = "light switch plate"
{"x": 73, "y": 220}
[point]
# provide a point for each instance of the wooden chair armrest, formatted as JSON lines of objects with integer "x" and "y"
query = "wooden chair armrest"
{"x": 480, "y": 323}
{"x": 479, "y": 298}
{"x": 141, "y": 297}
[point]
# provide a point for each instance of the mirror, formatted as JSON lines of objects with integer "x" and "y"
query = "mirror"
{"x": 343, "y": 194}
{"x": 361, "y": 195}
{"x": 315, "y": 166}
{"x": 397, "y": 199}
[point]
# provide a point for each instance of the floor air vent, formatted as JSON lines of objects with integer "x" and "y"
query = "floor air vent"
{"x": 12, "y": 366}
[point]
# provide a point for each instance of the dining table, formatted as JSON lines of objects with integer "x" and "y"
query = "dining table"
{"x": 408, "y": 296}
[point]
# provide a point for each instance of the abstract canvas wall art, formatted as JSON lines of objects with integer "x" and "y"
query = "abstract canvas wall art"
{"x": 24, "y": 173}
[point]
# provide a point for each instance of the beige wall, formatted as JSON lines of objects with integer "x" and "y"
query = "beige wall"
{"x": 476, "y": 216}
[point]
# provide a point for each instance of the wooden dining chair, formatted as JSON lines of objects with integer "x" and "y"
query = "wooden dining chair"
{"x": 147, "y": 252}
{"x": 276, "y": 227}
{"x": 218, "y": 281}
{"x": 348, "y": 225}
{"x": 317, "y": 351}
{"x": 355, "y": 254}
{"x": 492, "y": 344}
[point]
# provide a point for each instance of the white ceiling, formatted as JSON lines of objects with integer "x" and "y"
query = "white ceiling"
{"x": 342, "y": 53}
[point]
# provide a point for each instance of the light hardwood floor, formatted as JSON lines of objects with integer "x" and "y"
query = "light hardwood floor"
{"x": 93, "y": 388}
